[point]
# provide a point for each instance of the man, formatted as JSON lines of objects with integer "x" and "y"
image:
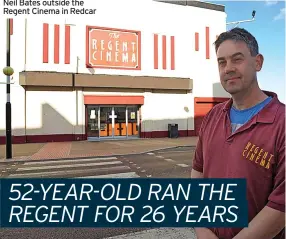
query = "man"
{"x": 245, "y": 138}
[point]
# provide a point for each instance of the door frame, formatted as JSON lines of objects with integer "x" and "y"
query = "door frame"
{"x": 112, "y": 122}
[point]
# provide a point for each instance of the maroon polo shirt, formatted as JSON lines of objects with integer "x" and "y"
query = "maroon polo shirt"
{"x": 256, "y": 151}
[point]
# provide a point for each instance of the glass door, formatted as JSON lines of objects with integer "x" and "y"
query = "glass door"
{"x": 120, "y": 126}
{"x": 106, "y": 124}
{"x": 92, "y": 121}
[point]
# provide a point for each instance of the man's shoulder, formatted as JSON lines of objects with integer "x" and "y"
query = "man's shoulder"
{"x": 217, "y": 109}
{"x": 281, "y": 109}
{"x": 279, "y": 121}
{"x": 276, "y": 107}
{"x": 215, "y": 114}
{"x": 280, "y": 112}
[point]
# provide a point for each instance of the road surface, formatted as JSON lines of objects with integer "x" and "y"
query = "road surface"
{"x": 171, "y": 163}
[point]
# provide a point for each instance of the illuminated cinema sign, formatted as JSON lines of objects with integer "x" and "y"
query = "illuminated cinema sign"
{"x": 113, "y": 48}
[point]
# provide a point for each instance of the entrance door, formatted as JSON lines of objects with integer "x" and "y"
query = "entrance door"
{"x": 120, "y": 126}
{"x": 106, "y": 124}
{"x": 112, "y": 122}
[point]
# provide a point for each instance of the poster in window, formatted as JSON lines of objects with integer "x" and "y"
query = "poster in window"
{"x": 92, "y": 114}
{"x": 133, "y": 116}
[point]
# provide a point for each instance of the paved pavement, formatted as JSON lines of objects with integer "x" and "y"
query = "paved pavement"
{"x": 169, "y": 163}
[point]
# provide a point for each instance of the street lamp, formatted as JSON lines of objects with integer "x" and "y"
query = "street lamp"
{"x": 238, "y": 22}
{"x": 8, "y": 71}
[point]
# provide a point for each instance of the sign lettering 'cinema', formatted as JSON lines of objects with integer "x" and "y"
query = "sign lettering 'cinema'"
{"x": 113, "y": 48}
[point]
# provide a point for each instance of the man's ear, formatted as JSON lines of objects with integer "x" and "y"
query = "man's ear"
{"x": 259, "y": 59}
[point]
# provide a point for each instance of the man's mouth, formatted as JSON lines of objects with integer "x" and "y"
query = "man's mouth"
{"x": 233, "y": 78}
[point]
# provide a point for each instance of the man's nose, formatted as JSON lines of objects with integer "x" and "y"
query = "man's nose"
{"x": 229, "y": 68}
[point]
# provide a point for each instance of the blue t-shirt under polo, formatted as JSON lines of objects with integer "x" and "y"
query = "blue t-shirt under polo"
{"x": 240, "y": 117}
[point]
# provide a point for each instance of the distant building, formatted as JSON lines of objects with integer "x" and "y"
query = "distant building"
{"x": 127, "y": 71}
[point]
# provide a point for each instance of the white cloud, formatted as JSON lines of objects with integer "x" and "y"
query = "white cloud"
{"x": 270, "y": 2}
{"x": 281, "y": 15}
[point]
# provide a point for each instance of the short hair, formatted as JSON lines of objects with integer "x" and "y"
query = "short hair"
{"x": 238, "y": 34}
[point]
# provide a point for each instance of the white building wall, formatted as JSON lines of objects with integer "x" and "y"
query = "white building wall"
{"x": 159, "y": 110}
{"x": 183, "y": 24}
{"x": 56, "y": 112}
{"x": 50, "y": 112}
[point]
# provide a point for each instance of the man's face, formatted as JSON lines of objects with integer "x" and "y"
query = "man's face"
{"x": 237, "y": 68}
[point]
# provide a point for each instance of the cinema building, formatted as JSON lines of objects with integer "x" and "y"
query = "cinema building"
{"x": 126, "y": 72}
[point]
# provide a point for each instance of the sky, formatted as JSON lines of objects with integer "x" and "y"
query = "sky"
{"x": 269, "y": 30}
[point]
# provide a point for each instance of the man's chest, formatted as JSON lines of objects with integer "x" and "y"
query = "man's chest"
{"x": 246, "y": 154}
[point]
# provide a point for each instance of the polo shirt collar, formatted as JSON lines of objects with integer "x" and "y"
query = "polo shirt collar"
{"x": 267, "y": 114}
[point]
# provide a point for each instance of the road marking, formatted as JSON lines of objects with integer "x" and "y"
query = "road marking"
{"x": 183, "y": 165}
{"x": 114, "y": 175}
{"x": 170, "y": 160}
{"x": 166, "y": 233}
{"x": 159, "y": 157}
{"x": 150, "y": 153}
{"x": 63, "y": 172}
{"x": 69, "y": 161}
{"x": 166, "y": 152}
{"x": 69, "y": 166}
{"x": 101, "y": 167}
